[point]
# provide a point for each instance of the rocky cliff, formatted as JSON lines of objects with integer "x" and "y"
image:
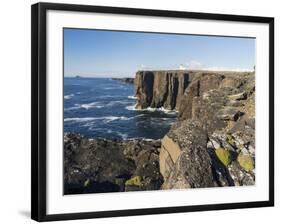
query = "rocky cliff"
{"x": 213, "y": 141}
{"x": 160, "y": 88}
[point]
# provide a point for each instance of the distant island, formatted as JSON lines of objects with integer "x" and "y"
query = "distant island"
{"x": 125, "y": 80}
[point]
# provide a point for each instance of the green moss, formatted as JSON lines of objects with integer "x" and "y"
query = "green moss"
{"x": 230, "y": 140}
{"x": 246, "y": 162}
{"x": 223, "y": 156}
{"x": 136, "y": 181}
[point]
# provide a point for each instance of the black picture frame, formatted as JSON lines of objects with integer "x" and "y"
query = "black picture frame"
{"x": 38, "y": 110}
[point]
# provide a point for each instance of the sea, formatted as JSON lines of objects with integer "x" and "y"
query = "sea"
{"x": 105, "y": 108}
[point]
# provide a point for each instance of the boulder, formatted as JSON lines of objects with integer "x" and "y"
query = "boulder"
{"x": 187, "y": 151}
{"x": 238, "y": 96}
{"x": 169, "y": 154}
{"x": 229, "y": 113}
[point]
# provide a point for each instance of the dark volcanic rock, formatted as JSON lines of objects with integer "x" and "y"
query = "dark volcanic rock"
{"x": 98, "y": 165}
{"x": 160, "y": 88}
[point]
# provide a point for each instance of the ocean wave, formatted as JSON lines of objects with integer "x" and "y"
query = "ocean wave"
{"x": 143, "y": 139}
{"x": 79, "y": 119}
{"x": 106, "y": 119}
{"x": 131, "y": 107}
{"x": 132, "y": 97}
{"x": 67, "y": 97}
{"x": 117, "y": 102}
{"x": 91, "y": 105}
{"x": 122, "y": 135}
{"x": 100, "y": 104}
{"x": 107, "y": 96}
{"x": 72, "y": 108}
{"x": 113, "y": 118}
{"x": 113, "y": 87}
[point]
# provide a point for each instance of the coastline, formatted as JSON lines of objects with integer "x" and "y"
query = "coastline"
{"x": 211, "y": 144}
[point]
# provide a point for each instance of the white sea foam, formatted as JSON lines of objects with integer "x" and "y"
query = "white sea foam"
{"x": 67, "y": 97}
{"x": 132, "y": 97}
{"x": 122, "y": 135}
{"x": 106, "y": 119}
{"x": 80, "y": 119}
{"x": 162, "y": 109}
{"x": 72, "y": 108}
{"x": 150, "y": 109}
{"x": 107, "y": 96}
{"x": 91, "y": 105}
{"x": 131, "y": 107}
{"x": 99, "y": 104}
{"x": 116, "y": 102}
{"x": 113, "y": 118}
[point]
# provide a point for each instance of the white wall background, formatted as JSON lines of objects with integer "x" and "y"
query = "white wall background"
{"x": 15, "y": 109}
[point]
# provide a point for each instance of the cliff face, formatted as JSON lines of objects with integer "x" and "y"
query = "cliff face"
{"x": 213, "y": 141}
{"x": 160, "y": 88}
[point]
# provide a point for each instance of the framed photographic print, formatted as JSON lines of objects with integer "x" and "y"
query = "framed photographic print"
{"x": 139, "y": 111}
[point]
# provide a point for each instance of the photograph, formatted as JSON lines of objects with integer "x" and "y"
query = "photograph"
{"x": 147, "y": 111}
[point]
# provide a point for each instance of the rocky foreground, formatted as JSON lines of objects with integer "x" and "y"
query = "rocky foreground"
{"x": 99, "y": 165}
{"x": 212, "y": 143}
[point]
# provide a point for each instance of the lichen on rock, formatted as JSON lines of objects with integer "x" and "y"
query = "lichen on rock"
{"x": 246, "y": 162}
{"x": 135, "y": 181}
{"x": 223, "y": 156}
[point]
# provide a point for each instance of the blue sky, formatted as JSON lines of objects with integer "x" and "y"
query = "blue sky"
{"x": 99, "y": 53}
